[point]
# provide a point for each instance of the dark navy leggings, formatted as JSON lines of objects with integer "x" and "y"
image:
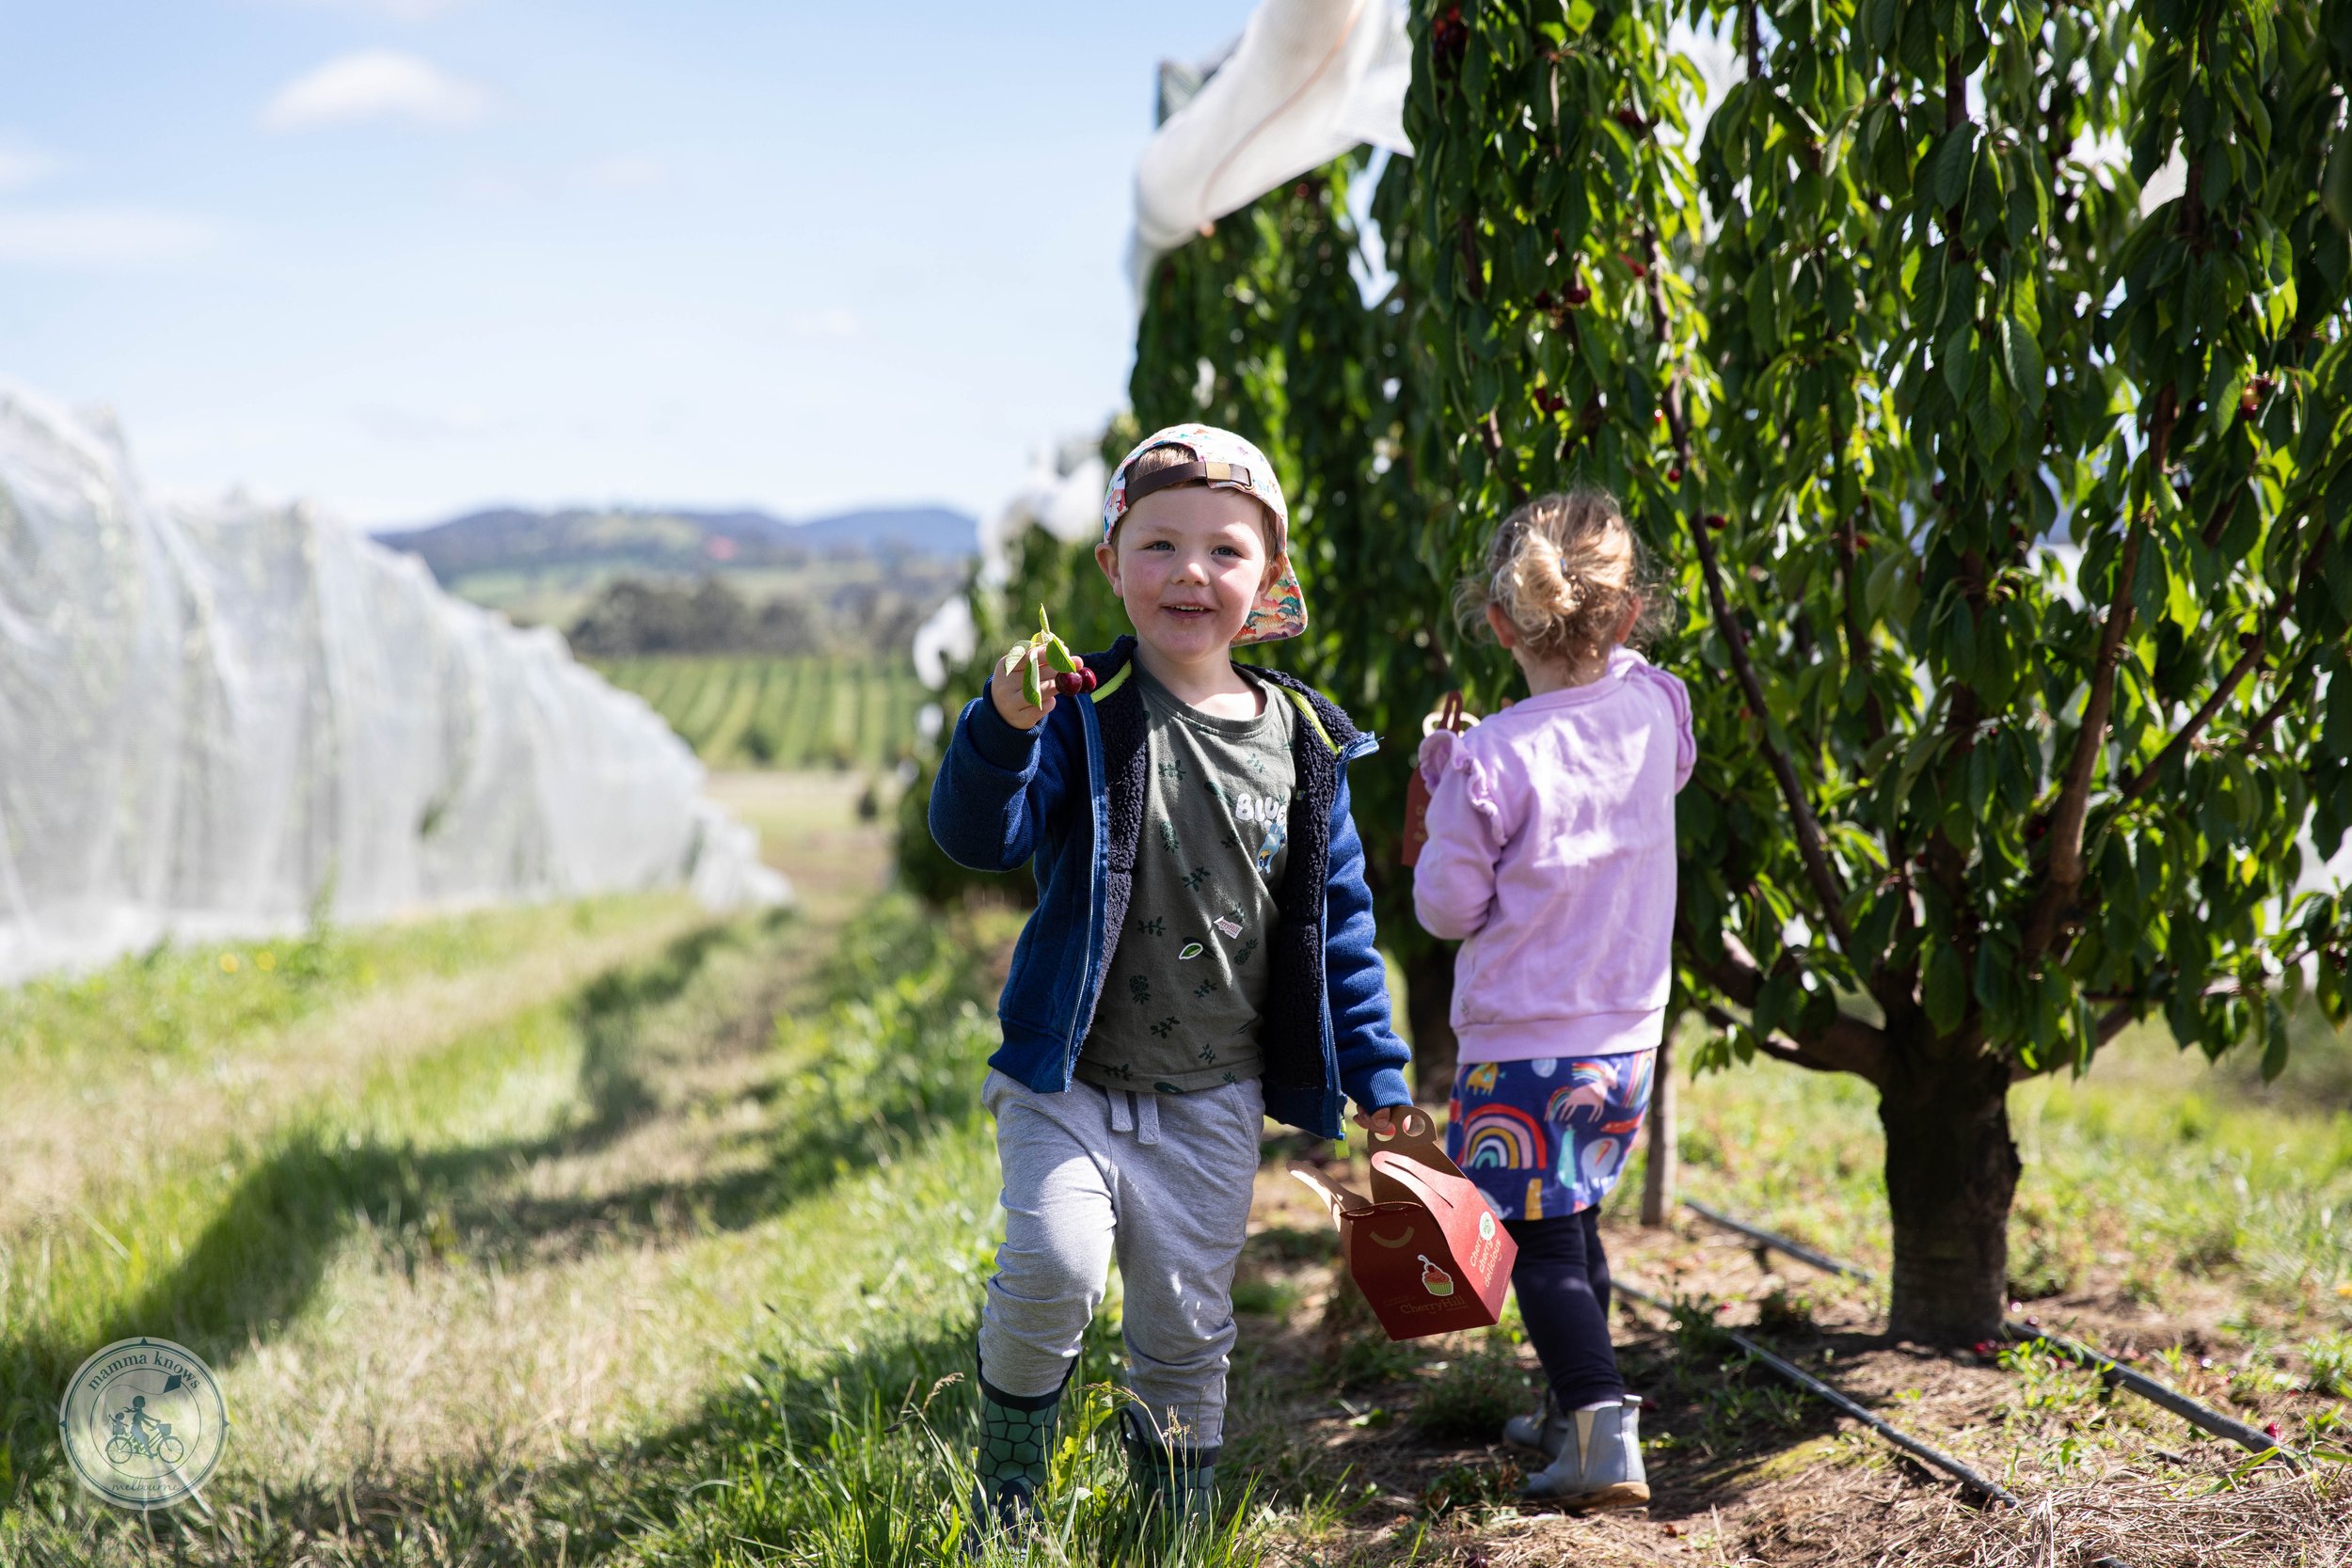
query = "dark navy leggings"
{"x": 1562, "y": 1277}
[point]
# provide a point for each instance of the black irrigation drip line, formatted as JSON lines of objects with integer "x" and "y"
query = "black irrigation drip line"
{"x": 1779, "y": 1243}
{"x": 1926, "y": 1453}
{"x": 2159, "y": 1393}
{"x": 2111, "y": 1371}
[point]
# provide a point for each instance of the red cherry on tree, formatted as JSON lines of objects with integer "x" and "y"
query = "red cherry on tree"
{"x": 1674, "y": 475}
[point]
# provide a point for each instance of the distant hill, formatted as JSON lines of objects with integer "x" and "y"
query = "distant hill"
{"x": 656, "y": 542}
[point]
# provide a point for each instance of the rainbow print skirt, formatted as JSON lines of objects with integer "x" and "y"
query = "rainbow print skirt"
{"x": 1550, "y": 1136}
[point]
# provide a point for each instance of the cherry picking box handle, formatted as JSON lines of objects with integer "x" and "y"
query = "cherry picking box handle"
{"x": 1335, "y": 1197}
{"x": 1415, "y": 1132}
{"x": 1405, "y": 1173}
{"x": 1450, "y": 715}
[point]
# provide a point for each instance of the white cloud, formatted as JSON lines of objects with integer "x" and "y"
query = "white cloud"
{"x": 98, "y": 236}
{"x": 375, "y": 84}
{"x": 835, "y": 323}
{"x": 21, "y": 167}
{"x": 626, "y": 171}
{"x": 399, "y": 10}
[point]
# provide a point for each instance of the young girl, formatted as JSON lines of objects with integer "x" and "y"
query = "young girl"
{"x": 1552, "y": 853}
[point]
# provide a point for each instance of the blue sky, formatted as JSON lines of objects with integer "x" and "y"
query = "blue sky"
{"x": 404, "y": 257}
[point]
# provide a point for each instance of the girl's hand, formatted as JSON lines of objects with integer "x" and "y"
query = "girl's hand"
{"x": 1380, "y": 1123}
{"x": 1008, "y": 694}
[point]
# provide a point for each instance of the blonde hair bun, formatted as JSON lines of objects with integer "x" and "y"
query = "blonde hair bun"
{"x": 1563, "y": 569}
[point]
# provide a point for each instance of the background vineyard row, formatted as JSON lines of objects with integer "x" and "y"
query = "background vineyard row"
{"x": 813, "y": 711}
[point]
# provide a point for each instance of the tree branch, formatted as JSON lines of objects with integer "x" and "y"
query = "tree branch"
{"x": 2135, "y": 784}
{"x": 1736, "y": 976}
{"x": 2289, "y": 688}
{"x": 2110, "y": 1023}
{"x": 1794, "y": 1053}
{"x": 1848, "y": 1044}
{"x": 2063, "y": 874}
{"x": 1811, "y": 848}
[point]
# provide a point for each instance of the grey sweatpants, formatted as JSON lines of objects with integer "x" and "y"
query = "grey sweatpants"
{"x": 1162, "y": 1181}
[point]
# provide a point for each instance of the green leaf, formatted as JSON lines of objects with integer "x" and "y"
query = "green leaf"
{"x": 2335, "y": 186}
{"x": 1944, "y": 991}
{"x": 1957, "y": 354}
{"x": 2276, "y": 1045}
{"x": 1952, "y": 162}
{"x": 1881, "y": 582}
{"x": 2020, "y": 359}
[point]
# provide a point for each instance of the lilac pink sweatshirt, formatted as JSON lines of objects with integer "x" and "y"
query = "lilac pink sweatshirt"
{"x": 1552, "y": 853}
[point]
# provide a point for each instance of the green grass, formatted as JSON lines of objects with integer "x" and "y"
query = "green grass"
{"x": 2185, "y": 1211}
{"x": 2154, "y": 1166}
{"x": 751, "y": 711}
{"x": 838, "y": 1434}
{"x": 209, "y": 1250}
{"x": 193, "y": 1000}
{"x": 800, "y": 1240}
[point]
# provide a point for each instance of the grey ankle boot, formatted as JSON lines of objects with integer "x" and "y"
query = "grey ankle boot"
{"x": 1176, "y": 1487}
{"x": 1599, "y": 1462}
{"x": 1544, "y": 1431}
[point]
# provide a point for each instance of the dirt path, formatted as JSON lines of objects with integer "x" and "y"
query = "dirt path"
{"x": 1743, "y": 1469}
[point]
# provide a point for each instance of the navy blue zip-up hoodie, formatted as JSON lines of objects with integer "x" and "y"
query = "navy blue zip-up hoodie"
{"x": 1068, "y": 796}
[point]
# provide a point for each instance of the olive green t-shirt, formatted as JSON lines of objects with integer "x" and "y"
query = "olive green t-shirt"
{"x": 1187, "y": 979}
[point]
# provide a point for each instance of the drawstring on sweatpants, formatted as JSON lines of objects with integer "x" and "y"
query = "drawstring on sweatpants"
{"x": 1125, "y": 1116}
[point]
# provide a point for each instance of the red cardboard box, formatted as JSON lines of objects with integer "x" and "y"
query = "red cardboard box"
{"x": 1425, "y": 1248}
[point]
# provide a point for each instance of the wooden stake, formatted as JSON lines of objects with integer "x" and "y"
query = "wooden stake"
{"x": 1664, "y": 1172}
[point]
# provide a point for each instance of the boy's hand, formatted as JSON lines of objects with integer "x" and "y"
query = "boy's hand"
{"x": 1008, "y": 689}
{"x": 1381, "y": 1122}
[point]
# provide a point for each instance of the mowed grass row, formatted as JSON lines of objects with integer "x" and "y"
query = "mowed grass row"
{"x": 205, "y": 1213}
{"x": 814, "y": 711}
{"x": 849, "y": 1245}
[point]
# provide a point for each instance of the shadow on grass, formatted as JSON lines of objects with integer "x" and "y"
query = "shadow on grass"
{"x": 860, "y": 1459}
{"x": 256, "y": 1264}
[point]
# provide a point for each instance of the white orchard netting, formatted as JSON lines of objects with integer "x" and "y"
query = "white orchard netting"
{"x": 1062, "y": 494}
{"x": 213, "y": 720}
{"x": 1308, "y": 81}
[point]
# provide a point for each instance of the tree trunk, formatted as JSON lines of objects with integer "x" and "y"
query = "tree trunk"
{"x": 1429, "y": 1011}
{"x": 1662, "y": 1176}
{"x": 1951, "y": 1171}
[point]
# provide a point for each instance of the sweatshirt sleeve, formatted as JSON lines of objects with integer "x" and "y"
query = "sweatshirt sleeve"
{"x": 1453, "y": 882}
{"x": 1372, "y": 1056}
{"x": 1678, "y": 703}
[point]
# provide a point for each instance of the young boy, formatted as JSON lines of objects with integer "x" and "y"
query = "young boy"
{"x": 1200, "y": 958}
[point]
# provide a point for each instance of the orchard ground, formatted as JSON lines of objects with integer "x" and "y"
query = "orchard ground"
{"x": 607, "y": 1232}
